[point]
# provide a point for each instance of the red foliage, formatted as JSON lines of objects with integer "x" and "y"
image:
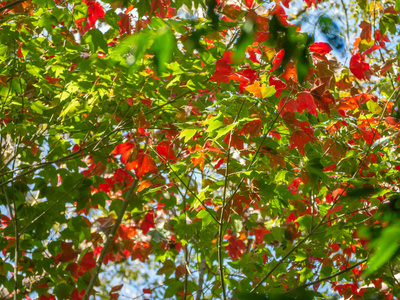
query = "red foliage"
{"x": 235, "y": 248}
{"x": 165, "y": 150}
{"x": 359, "y": 67}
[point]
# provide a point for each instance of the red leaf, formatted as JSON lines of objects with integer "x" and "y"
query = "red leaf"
{"x": 320, "y": 48}
{"x": 236, "y": 141}
{"x": 116, "y": 288}
{"x": 76, "y": 295}
{"x": 53, "y": 81}
{"x": 141, "y": 251}
{"x": 95, "y": 11}
{"x": 310, "y": 2}
{"x": 143, "y": 164}
{"x": 147, "y": 291}
{"x": 259, "y": 233}
{"x": 125, "y": 24}
{"x": 370, "y": 135}
{"x": 276, "y": 62}
{"x": 19, "y": 52}
{"x": 299, "y": 139}
{"x": 222, "y": 72}
{"x": 358, "y": 66}
{"x": 159, "y": 5}
{"x": 180, "y": 271}
{"x": 124, "y": 150}
{"x": 278, "y": 84}
{"x": 142, "y": 131}
{"x": 164, "y": 149}
{"x": 253, "y": 128}
{"x": 305, "y": 102}
{"x": 365, "y": 31}
{"x": 372, "y": 49}
{"x": 68, "y": 253}
{"x": 335, "y": 209}
{"x": 235, "y": 248}
{"x": 88, "y": 262}
{"x": 146, "y": 101}
{"x": 122, "y": 177}
{"x": 280, "y": 13}
{"x": 148, "y": 222}
{"x": 249, "y": 3}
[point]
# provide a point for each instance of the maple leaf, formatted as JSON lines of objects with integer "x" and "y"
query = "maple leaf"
{"x": 3, "y": 80}
{"x": 124, "y": 150}
{"x": 365, "y": 31}
{"x": 253, "y": 128}
{"x": 95, "y": 11}
{"x": 88, "y": 262}
{"x": 125, "y": 24}
{"x": 304, "y": 102}
{"x": 359, "y": 67}
{"x": 164, "y": 149}
{"x": 141, "y": 251}
{"x": 53, "y": 81}
{"x": 143, "y": 164}
{"x": 260, "y": 91}
{"x": 276, "y": 160}
{"x": 277, "y": 61}
{"x": 76, "y": 295}
{"x": 278, "y": 84}
{"x": 235, "y": 140}
{"x": 199, "y": 160}
{"x": 159, "y": 5}
{"x": 222, "y": 72}
{"x": 68, "y": 253}
{"x": 144, "y": 184}
{"x": 235, "y": 248}
{"x": 19, "y": 51}
{"x": 298, "y": 139}
{"x": 148, "y": 222}
{"x": 320, "y": 48}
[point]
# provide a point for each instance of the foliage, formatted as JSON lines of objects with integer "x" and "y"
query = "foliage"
{"x": 227, "y": 148}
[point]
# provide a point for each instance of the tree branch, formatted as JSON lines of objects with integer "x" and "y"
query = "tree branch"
{"x": 110, "y": 238}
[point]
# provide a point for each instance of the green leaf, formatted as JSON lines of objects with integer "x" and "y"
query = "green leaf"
{"x": 38, "y": 107}
{"x": 164, "y": 44}
{"x": 112, "y": 19}
{"x": 385, "y": 247}
{"x": 96, "y": 40}
{"x": 188, "y": 134}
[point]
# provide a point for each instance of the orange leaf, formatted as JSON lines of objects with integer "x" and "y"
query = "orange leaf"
{"x": 53, "y": 81}
{"x": 143, "y": 164}
{"x": 144, "y": 184}
{"x": 199, "y": 161}
{"x": 3, "y": 80}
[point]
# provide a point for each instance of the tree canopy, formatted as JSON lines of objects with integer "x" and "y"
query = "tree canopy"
{"x": 234, "y": 154}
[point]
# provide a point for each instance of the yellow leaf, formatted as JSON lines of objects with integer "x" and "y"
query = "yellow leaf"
{"x": 260, "y": 91}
